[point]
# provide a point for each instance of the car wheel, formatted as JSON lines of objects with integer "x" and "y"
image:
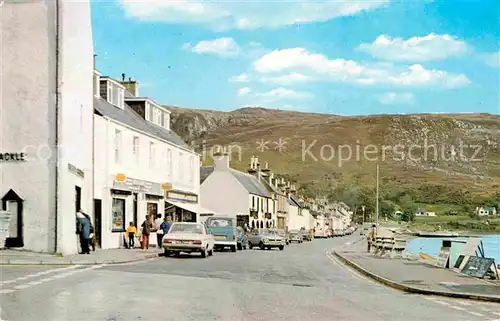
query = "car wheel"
{"x": 240, "y": 247}
{"x": 250, "y": 246}
{"x": 282, "y": 247}
{"x": 167, "y": 253}
{"x": 261, "y": 245}
{"x": 233, "y": 248}
{"x": 204, "y": 253}
{"x": 211, "y": 252}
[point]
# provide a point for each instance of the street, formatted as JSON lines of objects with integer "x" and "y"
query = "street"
{"x": 303, "y": 282}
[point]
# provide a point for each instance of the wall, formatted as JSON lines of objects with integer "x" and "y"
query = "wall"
{"x": 137, "y": 167}
{"x": 294, "y": 219}
{"x": 76, "y": 101}
{"x": 27, "y": 114}
{"x": 233, "y": 201}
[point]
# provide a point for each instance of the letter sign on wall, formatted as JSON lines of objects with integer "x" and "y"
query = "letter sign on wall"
{"x": 12, "y": 157}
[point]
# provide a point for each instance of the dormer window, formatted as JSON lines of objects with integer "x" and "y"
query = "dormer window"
{"x": 115, "y": 94}
{"x": 157, "y": 115}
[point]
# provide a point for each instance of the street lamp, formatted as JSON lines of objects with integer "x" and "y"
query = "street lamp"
{"x": 363, "y": 208}
{"x": 376, "y": 221}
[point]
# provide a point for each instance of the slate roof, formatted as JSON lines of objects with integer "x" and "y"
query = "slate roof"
{"x": 293, "y": 201}
{"x": 129, "y": 117}
{"x": 270, "y": 187}
{"x": 249, "y": 182}
{"x": 205, "y": 171}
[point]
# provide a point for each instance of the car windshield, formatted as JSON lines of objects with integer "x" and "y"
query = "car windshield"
{"x": 186, "y": 228}
{"x": 220, "y": 222}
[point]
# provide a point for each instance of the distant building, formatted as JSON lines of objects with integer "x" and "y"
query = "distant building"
{"x": 485, "y": 211}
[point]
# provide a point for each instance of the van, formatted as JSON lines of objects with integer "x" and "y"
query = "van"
{"x": 224, "y": 231}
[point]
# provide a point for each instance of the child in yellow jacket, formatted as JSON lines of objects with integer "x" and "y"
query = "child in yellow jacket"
{"x": 131, "y": 232}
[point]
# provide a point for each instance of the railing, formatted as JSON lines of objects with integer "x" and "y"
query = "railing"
{"x": 388, "y": 244}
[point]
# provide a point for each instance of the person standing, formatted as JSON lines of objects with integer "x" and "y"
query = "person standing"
{"x": 147, "y": 225}
{"x": 165, "y": 225}
{"x": 92, "y": 235}
{"x": 83, "y": 231}
{"x": 159, "y": 231}
{"x": 371, "y": 237}
{"x": 131, "y": 231}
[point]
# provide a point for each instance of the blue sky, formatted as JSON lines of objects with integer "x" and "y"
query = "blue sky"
{"x": 338, "y": 57}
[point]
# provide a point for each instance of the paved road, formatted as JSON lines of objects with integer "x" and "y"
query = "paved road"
{"x": 300, "y": 283}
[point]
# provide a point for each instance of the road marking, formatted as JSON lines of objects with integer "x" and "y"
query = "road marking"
{"x": 34, "y": 275}
{"x": 353, "y": 273}
{"x": 463, "y": 303}
{"x": 477, "y": 314}
{"x": 51, "y": 278}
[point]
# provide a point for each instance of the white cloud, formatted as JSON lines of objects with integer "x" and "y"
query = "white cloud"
{"x": 392, "y": 98}
{"x": 426, "y": 48}
{"x": 320, "y": 66}
{"x": 289, "y": 79}
{"x": 244, "y": 91}
{"x": 250, "y": 14}
{"x": 492, "y": 59}
{"x": 284, "y": 94}
{"x": 221, "y": 47}
{"x": 240, "y": 78}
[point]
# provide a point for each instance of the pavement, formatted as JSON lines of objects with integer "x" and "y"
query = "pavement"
{"x": 303, "y": 282}
{"x": 112, "y": 256}
{"x": 417, "y": 277}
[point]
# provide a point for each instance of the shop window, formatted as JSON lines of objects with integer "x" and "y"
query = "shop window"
{"x": 153, "y": 210}
{"x": 118, "y": 215}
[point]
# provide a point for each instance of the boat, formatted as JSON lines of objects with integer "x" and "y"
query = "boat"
{"x": 438, "y": 234}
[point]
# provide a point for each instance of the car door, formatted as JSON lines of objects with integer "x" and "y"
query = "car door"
{"x": 253, "y": 237}
{"x": 209, "y": 238}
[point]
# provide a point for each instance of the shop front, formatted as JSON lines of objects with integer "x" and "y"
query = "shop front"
{"x": 183, "y": 207}
{"x": 130, "y": 201}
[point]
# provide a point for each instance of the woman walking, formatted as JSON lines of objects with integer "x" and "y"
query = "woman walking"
{"x": 147, "y": 225}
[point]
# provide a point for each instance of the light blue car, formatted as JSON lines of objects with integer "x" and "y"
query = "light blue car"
{"x": 224, "y": 230}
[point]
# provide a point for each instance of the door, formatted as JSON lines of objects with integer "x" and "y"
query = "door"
{"x": 14, "y": 203}
{"x": 153, "y": 210}
{"x": 135, "y": 209}
{"x": 78, "y": 198}
{"x": 98, "y": 221}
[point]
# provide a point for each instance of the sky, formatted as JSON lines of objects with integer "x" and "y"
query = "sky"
{"x": 336, "y": 57}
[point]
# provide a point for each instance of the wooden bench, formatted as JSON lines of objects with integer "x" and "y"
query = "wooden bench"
{"x": 399, "y": 247}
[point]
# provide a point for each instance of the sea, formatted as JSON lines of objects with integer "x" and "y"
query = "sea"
{"x": 432, "y": 246}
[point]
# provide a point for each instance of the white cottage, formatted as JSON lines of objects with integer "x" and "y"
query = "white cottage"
{"x": 141, "y": 165}
{"x": 235, "y": 194}
{"x": 46, "y": 121}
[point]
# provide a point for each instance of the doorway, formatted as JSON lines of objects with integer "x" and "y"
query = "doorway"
{"x": 135, "y": 209}
{"x": 14, "y": 203}
{"x": 78, "y": 198}
{"x": 98, "y": 221}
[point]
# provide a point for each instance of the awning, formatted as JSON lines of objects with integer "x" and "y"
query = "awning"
{"x": 192, "y": 207}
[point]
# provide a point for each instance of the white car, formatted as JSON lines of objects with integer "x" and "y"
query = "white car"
{"x": 188, "y": 238}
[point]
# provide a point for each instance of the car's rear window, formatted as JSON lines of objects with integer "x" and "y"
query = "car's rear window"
{"x": 186, "y": 228}
{"x": 220, "y": 222}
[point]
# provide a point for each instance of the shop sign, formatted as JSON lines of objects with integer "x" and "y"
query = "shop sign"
{"x": 75, "y": 170}
{"x": 12, "y": 157}
{"x": 136, "y": 185}
{"x": 182, "y": 197}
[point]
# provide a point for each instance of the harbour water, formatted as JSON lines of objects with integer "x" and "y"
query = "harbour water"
{"x": 431, "y": 246}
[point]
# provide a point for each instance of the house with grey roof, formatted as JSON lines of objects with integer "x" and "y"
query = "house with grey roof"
{"x": 236, "y": 194}
{"x": 141, "y": 166}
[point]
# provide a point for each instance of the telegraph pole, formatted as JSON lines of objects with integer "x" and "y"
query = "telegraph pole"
{"x": 376, "y": 213}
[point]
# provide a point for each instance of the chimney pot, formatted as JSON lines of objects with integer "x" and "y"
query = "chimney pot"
{"x": 123, "y": 77}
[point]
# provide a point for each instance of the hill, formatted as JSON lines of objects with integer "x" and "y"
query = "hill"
{"x": 441, "y": 152}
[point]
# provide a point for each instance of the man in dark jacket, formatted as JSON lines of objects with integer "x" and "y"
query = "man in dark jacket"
{"x": 147, "y": 225}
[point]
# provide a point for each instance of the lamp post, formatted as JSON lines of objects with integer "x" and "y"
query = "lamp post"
{"x": 376, "y": 212}
{"x": 363, "y": 208}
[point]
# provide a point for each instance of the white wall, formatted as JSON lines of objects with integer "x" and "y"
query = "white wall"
{"x": 27, "y": 114}
{"x": 138, "y": 167}
{"x": 222, "y": 193}
{"x": 77, "y": 109}
{"x": 294, "y": 220}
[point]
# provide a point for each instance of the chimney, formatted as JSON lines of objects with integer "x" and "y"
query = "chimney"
{"x": 266, "y": 168}
{"x": 257, "y": 164}
{"x": 221, "y": 159}
{"x": 131, "y": 85}
{"x": 253, "y": 167}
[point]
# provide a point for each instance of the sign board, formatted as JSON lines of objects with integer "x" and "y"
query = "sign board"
{"x": 477, "y": 266}
{"x": 12, "y": 157}
{"x": 178, "y": 196}
{"x": 5, "y": 218}
{"x": 137, "y": 185}
{"x": 75, "y": 170}
{"x": 443, "y": 258}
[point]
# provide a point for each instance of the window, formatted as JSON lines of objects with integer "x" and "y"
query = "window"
{"x": 258, "y": 207}
{"x": 169, "y": 162}
{"x": 118, "y": 146}
{"x": 97, "y": 85}
{"x": 166, "y": 121}
{"x": 262, "y": 204}
{"x": 115, "y": 94}
{"x": 118, "y": 215}
{"x": 181, "y": 166}
{"x": 253, "y": 202}
{"x": 149, "y": 112}
{"x": 191, "y": 169}
{"x": 151, "y": 155}
{"x": 136, "y": 148}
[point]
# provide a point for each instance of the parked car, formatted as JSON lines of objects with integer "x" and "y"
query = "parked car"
{"x": 307, "y": 235}
{"x": 320, "y": 233}
{"x": 338, "y": 232}
{"x": 224, "y": 231}
{"x": 241, "y": 238}
{"x": 265, "y": 239}
{"x": 284, "y": 235}
{"x": 188, "y": 238}
{"x": 296, "y": 236}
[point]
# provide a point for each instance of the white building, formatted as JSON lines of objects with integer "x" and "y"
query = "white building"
{"x": 295, "y": 218}
{"x": 141, "y": 166}
{"x": 243, "y": 196}
{"x": 45, "y": 121}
